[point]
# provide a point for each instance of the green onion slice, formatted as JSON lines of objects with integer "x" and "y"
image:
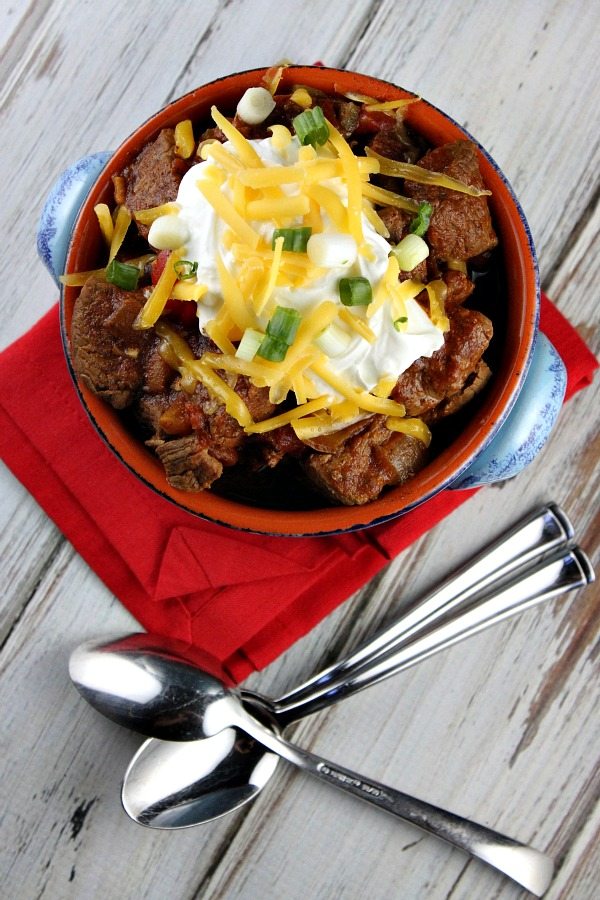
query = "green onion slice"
{"x": 283, "y": 324}
{"x": 355, "y": 291}
{"x": 400, "y": 323}
{"x": 420, "y": 223}
{"x": 311, "y": 127}
{"x": 249, "y": 344}
{"x": 294, "y": 239}
{"x": 123, "y": 275}
{"x": 272, "y": 348}
{"x": 185, "y": 269}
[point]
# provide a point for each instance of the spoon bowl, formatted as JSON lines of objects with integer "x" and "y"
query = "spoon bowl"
{"x": 156, "y": 686}
{"x": 195, "y": 786}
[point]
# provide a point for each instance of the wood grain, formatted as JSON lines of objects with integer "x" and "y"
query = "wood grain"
{"x": 504, "y": 728}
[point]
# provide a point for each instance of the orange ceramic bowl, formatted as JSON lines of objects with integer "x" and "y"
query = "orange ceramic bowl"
{"x": 520, "y": 318}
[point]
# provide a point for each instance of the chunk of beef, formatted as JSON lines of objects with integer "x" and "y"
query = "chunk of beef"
{"x": 472, "y": 386}
{"x": 158, "y": 374}
{"x": 175, "y": 414}
{"x": 347, "y": 115}
{"x": 274, "y": 445}
{"x": 396, "y": 140}
{"x": 188, "y": 463}
{"x": 461, "y": 226}
{"x": 154, "y": 175}
{"x": 396, "y": 221}
{"x": 459, "y": 287}
{"x": 366, "y": 463}
{"x": 256, "y": 399}
{"x": 107, "y": 351}
{"x": 432, "y": 379}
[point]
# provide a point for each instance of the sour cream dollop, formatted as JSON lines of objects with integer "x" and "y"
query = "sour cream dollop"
{"x": 362, "y": 363}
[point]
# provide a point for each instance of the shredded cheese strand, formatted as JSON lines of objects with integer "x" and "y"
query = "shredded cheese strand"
{"x": 416, "y": 428}
{"x": 285, "y": 418}
{"x": 354, "y": 184}
{"x": 362, "y": 399}
{"x": 389, "y": 198}
{"x": 219, "y": 389}
{"x": 227, "y": 211}
{"x": 242, "y": 147}
{"x": 105, "y": 222}
{"x": 155, "y": 304}
{"x": 424, "y": 176}
{"x": 122, "y": 223}
{"x": 265, "y": 295}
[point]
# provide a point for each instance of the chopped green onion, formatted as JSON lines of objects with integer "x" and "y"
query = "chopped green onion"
{"x": 420, "y": 223}
{"x": 123, "y": 275}
{"x": 249, "y": 344}
{"x": 311, "y": 127}
{"x": 185, "y": 269}
{"x": 355, "y": 291}
{"x": 411, "y": 251}
{"x": 280, "y": 335}
{"x": 333, "y": 340}
{"x": 294, "y": 239}
{"x": 283, "y": 324}
{"x": 272, "y": 348}
{"x": 400, "y": 322}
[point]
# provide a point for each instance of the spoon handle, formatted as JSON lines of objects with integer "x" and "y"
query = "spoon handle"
{"x": 536, "y": 534}
{"x": 525, "y": 865}
{"x": 565, "y": 570}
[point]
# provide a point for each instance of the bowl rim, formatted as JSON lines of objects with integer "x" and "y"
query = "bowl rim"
{"x": 328, "y": 520}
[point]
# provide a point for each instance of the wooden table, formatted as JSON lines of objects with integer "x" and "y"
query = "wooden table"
{"x": 505, "y": 728}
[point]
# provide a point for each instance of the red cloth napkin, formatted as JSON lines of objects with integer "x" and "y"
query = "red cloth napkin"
{"x": 240, "y": 598}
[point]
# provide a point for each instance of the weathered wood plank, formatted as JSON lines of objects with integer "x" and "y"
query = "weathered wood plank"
{"x": 501, "y": 71}
{"x": 504, "y": 728}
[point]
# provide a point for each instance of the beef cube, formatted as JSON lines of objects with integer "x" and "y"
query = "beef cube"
{"x": 277, "y": 444}
{"x": 396, "y": 221}
{"x": 459, "y": 287}
{"x": 432, "y": 379}
{"x": 154, "y": 175}
{"x": 461, "y": 226}
{"x": 473, "y": 385}
{"x": 347, "y": 114}
{"x": 188, "y": 463}
{"x": 396, "y": 141}
{"x": 158, "y": 374}
{"x": 107, "y": 351}
{"x": 368, "y": 462}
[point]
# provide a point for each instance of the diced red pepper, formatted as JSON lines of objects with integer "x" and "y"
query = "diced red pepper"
{"x": 370, "y": 121}
{"x": 158, "y": 265}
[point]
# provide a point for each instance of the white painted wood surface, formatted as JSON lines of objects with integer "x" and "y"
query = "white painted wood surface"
{"x": 505, "y": 728}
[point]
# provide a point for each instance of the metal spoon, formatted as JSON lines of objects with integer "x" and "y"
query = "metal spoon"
{"x": 169, "y": 785}
{"x": 233, "y": 776}
{"x": 218, "y": 709}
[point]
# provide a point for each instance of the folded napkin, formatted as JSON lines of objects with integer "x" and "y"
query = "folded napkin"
{"x": 240, "y": 598}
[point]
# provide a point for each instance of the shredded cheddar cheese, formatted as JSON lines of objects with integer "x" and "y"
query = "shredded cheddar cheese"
{"x": 105, "y": 222}
{"x": 290, "y": 416}
{"x": 122, "y": 223}
{"x": 414, "y": 427}
{"x": 184, "y": 139}
{"x": 155, "y": 304}
{"x": 227, "y": 211}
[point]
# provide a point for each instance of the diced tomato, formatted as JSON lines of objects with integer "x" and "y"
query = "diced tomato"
{"x": 158, "y": 265}
{"x": 373, "y": 120}
{"x": 183, "y": 311}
